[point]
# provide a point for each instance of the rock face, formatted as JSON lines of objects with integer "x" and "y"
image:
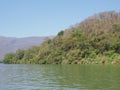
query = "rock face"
{"x": 11, "y": 44}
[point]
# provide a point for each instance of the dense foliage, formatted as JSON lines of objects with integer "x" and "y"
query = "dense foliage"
{"x": 95, "y": 40}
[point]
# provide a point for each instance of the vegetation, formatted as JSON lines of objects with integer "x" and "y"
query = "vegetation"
{"x": 93, "y": 41}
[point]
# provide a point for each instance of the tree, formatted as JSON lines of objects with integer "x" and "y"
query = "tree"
{"x": 8, "y": 58}
{"x": 116, "y": 27}
{"x": 60, "y": 33}
{"x": 19, "y": 55}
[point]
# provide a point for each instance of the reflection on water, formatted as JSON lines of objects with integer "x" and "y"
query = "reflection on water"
{"x": 59, "y": 77}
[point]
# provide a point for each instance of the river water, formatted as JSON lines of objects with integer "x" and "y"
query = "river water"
{"x": 59, "y": 77}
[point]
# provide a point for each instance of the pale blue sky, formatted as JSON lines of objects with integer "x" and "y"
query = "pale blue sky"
{"x": 23, "y": 18}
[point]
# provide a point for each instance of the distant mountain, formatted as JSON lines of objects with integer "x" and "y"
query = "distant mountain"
{"x": 11, "y": 44}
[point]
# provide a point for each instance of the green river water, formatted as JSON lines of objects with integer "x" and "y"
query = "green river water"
{"x": 59, "y": 77}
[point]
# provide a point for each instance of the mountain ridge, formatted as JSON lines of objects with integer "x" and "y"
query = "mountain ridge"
{"x": 11, "y": 44}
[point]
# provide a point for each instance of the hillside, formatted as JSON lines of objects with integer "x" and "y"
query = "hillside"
{"x": 96, "y": 40}
{"x": 10, "y": 44}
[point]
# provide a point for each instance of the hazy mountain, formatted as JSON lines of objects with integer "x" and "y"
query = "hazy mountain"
{"x": 11, "y": 44}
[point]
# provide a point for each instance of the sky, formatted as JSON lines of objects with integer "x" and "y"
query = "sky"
{"x": 24, "y": 18}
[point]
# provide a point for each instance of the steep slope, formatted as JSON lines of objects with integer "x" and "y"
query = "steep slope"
{"x": 95, "y": 40}
{"x": 10, "y": 44}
